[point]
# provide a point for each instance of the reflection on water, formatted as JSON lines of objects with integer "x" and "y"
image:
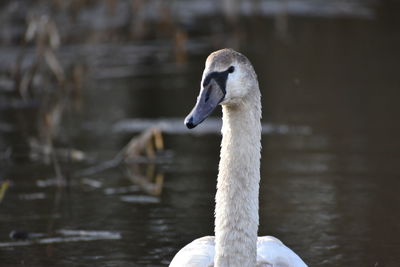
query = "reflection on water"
{"x": 66, "y": 236}
{"x": 331, "y": 150}
{"x": 210, "y": 126}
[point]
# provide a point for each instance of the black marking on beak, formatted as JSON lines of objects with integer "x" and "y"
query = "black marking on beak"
{"x": 212, "y": 93}
{"x": 189, "y": 123}
{"x": 219, "y": 77}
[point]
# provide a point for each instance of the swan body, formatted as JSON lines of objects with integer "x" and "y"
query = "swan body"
{"x": 201, "y": 252}
{"x": 229, "y": 80}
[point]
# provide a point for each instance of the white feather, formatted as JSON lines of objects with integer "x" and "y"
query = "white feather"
{"x": 271, "y": 252}
{"x": 199, "y": 253}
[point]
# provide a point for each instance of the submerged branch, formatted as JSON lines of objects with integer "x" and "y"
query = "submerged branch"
{"x": 3, "y": 188}
{"x": 148, "y": 142}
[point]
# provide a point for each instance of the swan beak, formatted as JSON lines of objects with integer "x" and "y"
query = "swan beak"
{"x": 209, "y": 98}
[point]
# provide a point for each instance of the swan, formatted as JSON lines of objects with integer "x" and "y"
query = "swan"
{"x": 229, "y": 80}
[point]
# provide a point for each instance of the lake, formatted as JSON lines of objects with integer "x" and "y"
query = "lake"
{"x": 329, "y": 77}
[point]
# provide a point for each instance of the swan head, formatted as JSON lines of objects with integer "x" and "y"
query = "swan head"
{"x": 227, "y": 79}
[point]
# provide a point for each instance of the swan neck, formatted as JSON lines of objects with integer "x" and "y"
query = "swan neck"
{"x": 236, "y": 214}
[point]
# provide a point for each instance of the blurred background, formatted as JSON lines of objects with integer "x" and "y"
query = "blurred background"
{"x": 96, "y": 167}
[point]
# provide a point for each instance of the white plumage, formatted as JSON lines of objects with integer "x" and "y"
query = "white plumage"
{"x": 229, "y": 80}
{"x": 271, "y": 252}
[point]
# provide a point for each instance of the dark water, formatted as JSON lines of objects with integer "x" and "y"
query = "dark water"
{"x": 329, "y": 190}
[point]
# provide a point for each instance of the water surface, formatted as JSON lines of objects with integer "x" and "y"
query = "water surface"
{"x": 330, "y": 159}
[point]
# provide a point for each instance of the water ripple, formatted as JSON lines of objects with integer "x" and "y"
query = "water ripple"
{"x": 210, "y": 126}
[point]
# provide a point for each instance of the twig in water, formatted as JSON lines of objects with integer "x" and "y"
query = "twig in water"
{"x": 131, "y": 153}
{"x": 3, "y": 188}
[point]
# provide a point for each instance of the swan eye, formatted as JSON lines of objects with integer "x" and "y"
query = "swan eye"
{"x": 231, "y": 69}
